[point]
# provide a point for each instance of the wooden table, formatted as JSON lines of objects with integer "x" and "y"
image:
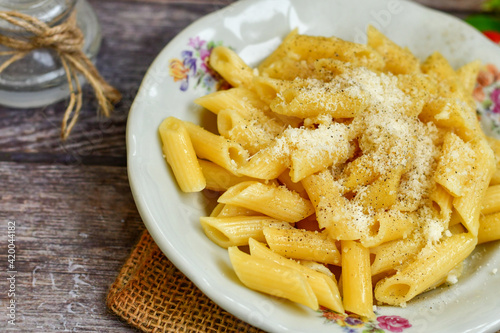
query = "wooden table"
{"x": 75, "y": 218}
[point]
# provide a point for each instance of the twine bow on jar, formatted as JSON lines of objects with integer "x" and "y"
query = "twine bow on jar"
{"x": 67, "y": 40}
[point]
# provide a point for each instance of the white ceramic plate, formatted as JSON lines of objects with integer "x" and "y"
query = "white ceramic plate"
{"x": 253, "y": 29}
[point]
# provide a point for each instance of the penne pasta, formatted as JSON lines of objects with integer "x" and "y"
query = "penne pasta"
{"x": 360, "y": 172}
{"x": 240, "y": 99}
{"x": 267, "y": 66}
{"x": 415, "y": 277}
{"x": 311, "y": 101}
{"x": 309, "y": 48}
{"x": 272, "y": 278}
{"x": 389, "y": 226}
{"x": 451, "y": 113}
{"x": 382, "y": 193}
{"x": 491, "y": 202}
{"x": 302, "y": 245}
{"x": 454, "y": 167}
{"x": 356, "y": 279}
{"x": 468, "y": 206}
{"x": 275, "y": 201}
{"x": 266, "y": 163}
{"x": 223, "y": 210}
{"x": 229, "y": 155}
{"x": 236, "y": 230}
{"x": 437, "y": 66}
{"x": 342, "y": 160}
{"x": 333, "y": 211}
{"x": 467, "y": 74}
{"x": 246, "y": 132}
{"x": 396, "y": 60}
{"x": 442, "y": 202}
{"x": 218, "y": 178}
{"x": 322, "y": 283}
{"x": 388, "y": 256}
{"x": 286, "y": 180}
{"x": 181, "y": 156}
{"x": 495, "y": 146}
{"x": 489, "y": 228}
{"x": 231, "y": 67}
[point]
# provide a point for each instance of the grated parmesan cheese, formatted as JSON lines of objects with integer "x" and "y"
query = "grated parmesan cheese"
{"x": 382, "y": 130}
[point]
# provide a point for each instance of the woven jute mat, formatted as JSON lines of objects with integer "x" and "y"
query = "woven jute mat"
{"x": 151, "y": 294}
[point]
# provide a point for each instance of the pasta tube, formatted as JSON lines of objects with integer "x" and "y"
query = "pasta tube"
{"x": 356, "y": 279}
{"x": 430, "y": 268}
{"x": 181, "y": 156}
{"x": 272, "y": 278}
{"x": 275, "y": 201}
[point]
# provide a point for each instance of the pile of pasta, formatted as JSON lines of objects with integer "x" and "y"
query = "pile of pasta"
{"x": 348, "y": 172}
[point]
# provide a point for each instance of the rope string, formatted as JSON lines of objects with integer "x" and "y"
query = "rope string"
{"x": 67, "y": 40}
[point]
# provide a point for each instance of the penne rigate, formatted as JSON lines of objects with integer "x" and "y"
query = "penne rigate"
{"x": 181, "y": 156}
{"x": 333, "y": 157}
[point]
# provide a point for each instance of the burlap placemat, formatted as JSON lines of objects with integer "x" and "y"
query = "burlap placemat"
{"x": 151, "y": 294}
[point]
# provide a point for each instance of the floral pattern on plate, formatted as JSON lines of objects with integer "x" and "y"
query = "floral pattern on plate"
{"x": 352, "y": 323}
{"x": 487, "y": 95}
{"x": 191, "y": 69}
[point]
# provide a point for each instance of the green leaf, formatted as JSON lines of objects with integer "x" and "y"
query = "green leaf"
{"x": 484, "y": 22}
{"x": 491, "y": 5}
{"x": 487, "y": 104}
{"x": 373, "y": 329}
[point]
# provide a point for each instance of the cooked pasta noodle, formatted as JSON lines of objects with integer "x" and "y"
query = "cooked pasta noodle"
{"x": 335, "y": 153}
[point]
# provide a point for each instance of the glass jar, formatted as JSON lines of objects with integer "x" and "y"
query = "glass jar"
{"x": 39, "y": 78}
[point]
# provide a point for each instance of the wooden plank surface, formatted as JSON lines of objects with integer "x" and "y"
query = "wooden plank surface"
{"x": 75, "y": 217}
{"x": 75, "y": 226}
